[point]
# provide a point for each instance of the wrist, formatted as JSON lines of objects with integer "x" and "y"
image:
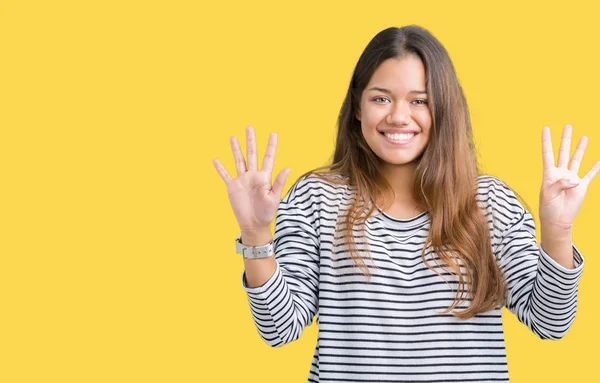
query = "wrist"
{"x": 259, "y": 237}
{"x": 556, "y": 232}
{"x": 559, "y": 249}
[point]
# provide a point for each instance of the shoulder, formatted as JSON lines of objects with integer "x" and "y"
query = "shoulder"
{"x": 499, "y": 200}
{"x": 310, "y": 199}
{"x": 317, "y": 187}
{"x": 492, "y": 190}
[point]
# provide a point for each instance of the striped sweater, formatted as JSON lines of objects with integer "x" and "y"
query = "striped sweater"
{"x": 390, "y": 329}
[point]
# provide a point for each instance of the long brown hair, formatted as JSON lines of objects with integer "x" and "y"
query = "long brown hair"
{"x": 445, "y": 182}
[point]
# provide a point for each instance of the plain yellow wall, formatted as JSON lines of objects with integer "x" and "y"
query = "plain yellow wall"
{"x": 117, "y": 237}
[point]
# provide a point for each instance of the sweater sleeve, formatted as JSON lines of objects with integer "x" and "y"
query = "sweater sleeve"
{"x": 286, "y": 303}
{"x": 541, "y": 292}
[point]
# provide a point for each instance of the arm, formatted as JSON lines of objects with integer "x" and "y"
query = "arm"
{"x": 286, "y": 302}
{"x": 282, "y": 291}
{"x": 541, "y": 292}
{"x": 543, "y": 280}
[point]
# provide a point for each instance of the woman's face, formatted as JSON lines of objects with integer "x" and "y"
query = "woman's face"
{"x": 394, "y": 111}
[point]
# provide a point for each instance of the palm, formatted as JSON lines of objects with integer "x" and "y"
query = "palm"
{"x": 559, "y": 201}
{"x": 563, "y": 208}
{"x": 253, "y": 200}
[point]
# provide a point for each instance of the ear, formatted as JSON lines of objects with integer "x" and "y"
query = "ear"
{"x": 357, "y": 114}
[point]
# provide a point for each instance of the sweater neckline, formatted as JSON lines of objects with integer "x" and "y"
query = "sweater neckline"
{"x": 402, "y": 223}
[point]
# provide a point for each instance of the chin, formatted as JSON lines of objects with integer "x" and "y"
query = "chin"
{"x": 400, "y": 161}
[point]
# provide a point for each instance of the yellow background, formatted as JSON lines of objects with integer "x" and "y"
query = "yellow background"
{"x": 117, "y": 237}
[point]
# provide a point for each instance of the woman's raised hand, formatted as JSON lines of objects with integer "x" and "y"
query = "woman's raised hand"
{"x": 562, "y": 191}
{"x": 253, "y": 199}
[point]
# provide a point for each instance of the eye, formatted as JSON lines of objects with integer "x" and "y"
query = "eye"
{"x": 380, "y": 98}
{"x": 420, "y": 102}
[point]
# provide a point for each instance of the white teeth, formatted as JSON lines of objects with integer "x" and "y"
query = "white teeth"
{"x": 399, "y": 137}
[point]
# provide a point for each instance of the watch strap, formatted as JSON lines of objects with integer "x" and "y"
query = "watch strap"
{"x": 253, "y": 252}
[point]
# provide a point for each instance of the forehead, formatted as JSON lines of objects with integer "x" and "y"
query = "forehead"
{"x": 406, "y": 73}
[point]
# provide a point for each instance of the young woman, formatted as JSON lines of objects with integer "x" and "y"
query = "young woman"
{"x": 403, "y": 251}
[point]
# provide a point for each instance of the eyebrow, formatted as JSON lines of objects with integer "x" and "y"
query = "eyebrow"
{"x": 389, "y": 91}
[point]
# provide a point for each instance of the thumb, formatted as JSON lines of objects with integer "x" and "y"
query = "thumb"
{"x": 562, "y": 184}
{"x": 280, "y": 181}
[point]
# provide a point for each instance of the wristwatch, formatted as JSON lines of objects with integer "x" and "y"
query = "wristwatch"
{"x": 253, "y": 252}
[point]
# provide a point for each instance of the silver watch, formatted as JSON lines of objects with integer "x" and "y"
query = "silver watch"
{"x": 253, "y": 252}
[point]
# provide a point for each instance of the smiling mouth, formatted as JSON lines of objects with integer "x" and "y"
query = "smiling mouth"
{"x": 399, "y": 137}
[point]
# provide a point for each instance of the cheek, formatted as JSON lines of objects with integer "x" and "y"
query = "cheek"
{"x": 368, "y": 132}
{"x": 371, "y": 118}
{"x": 424, "y": 120}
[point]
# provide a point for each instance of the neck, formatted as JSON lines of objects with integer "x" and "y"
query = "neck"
{"x": 401, "y": 179}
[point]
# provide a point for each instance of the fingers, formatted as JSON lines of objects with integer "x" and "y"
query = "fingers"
{"x": 280, "y": 182}
{"x": 565, "y": 147}
{"x": 592, "y": 173}
{"x": 251, "y": 148}
{"x": 240, "y": 162}
{"x": 578, "y": 155}
{"x": 547, "y": 152}
{"x": 269, "y": 158}
{"x": 221, "y": 170}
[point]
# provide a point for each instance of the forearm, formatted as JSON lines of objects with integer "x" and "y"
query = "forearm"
{"x": 282, "y": 303}
{"x": 260, "y": 270}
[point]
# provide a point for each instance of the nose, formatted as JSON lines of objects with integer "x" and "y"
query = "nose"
{"x": 399, "y": 114}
